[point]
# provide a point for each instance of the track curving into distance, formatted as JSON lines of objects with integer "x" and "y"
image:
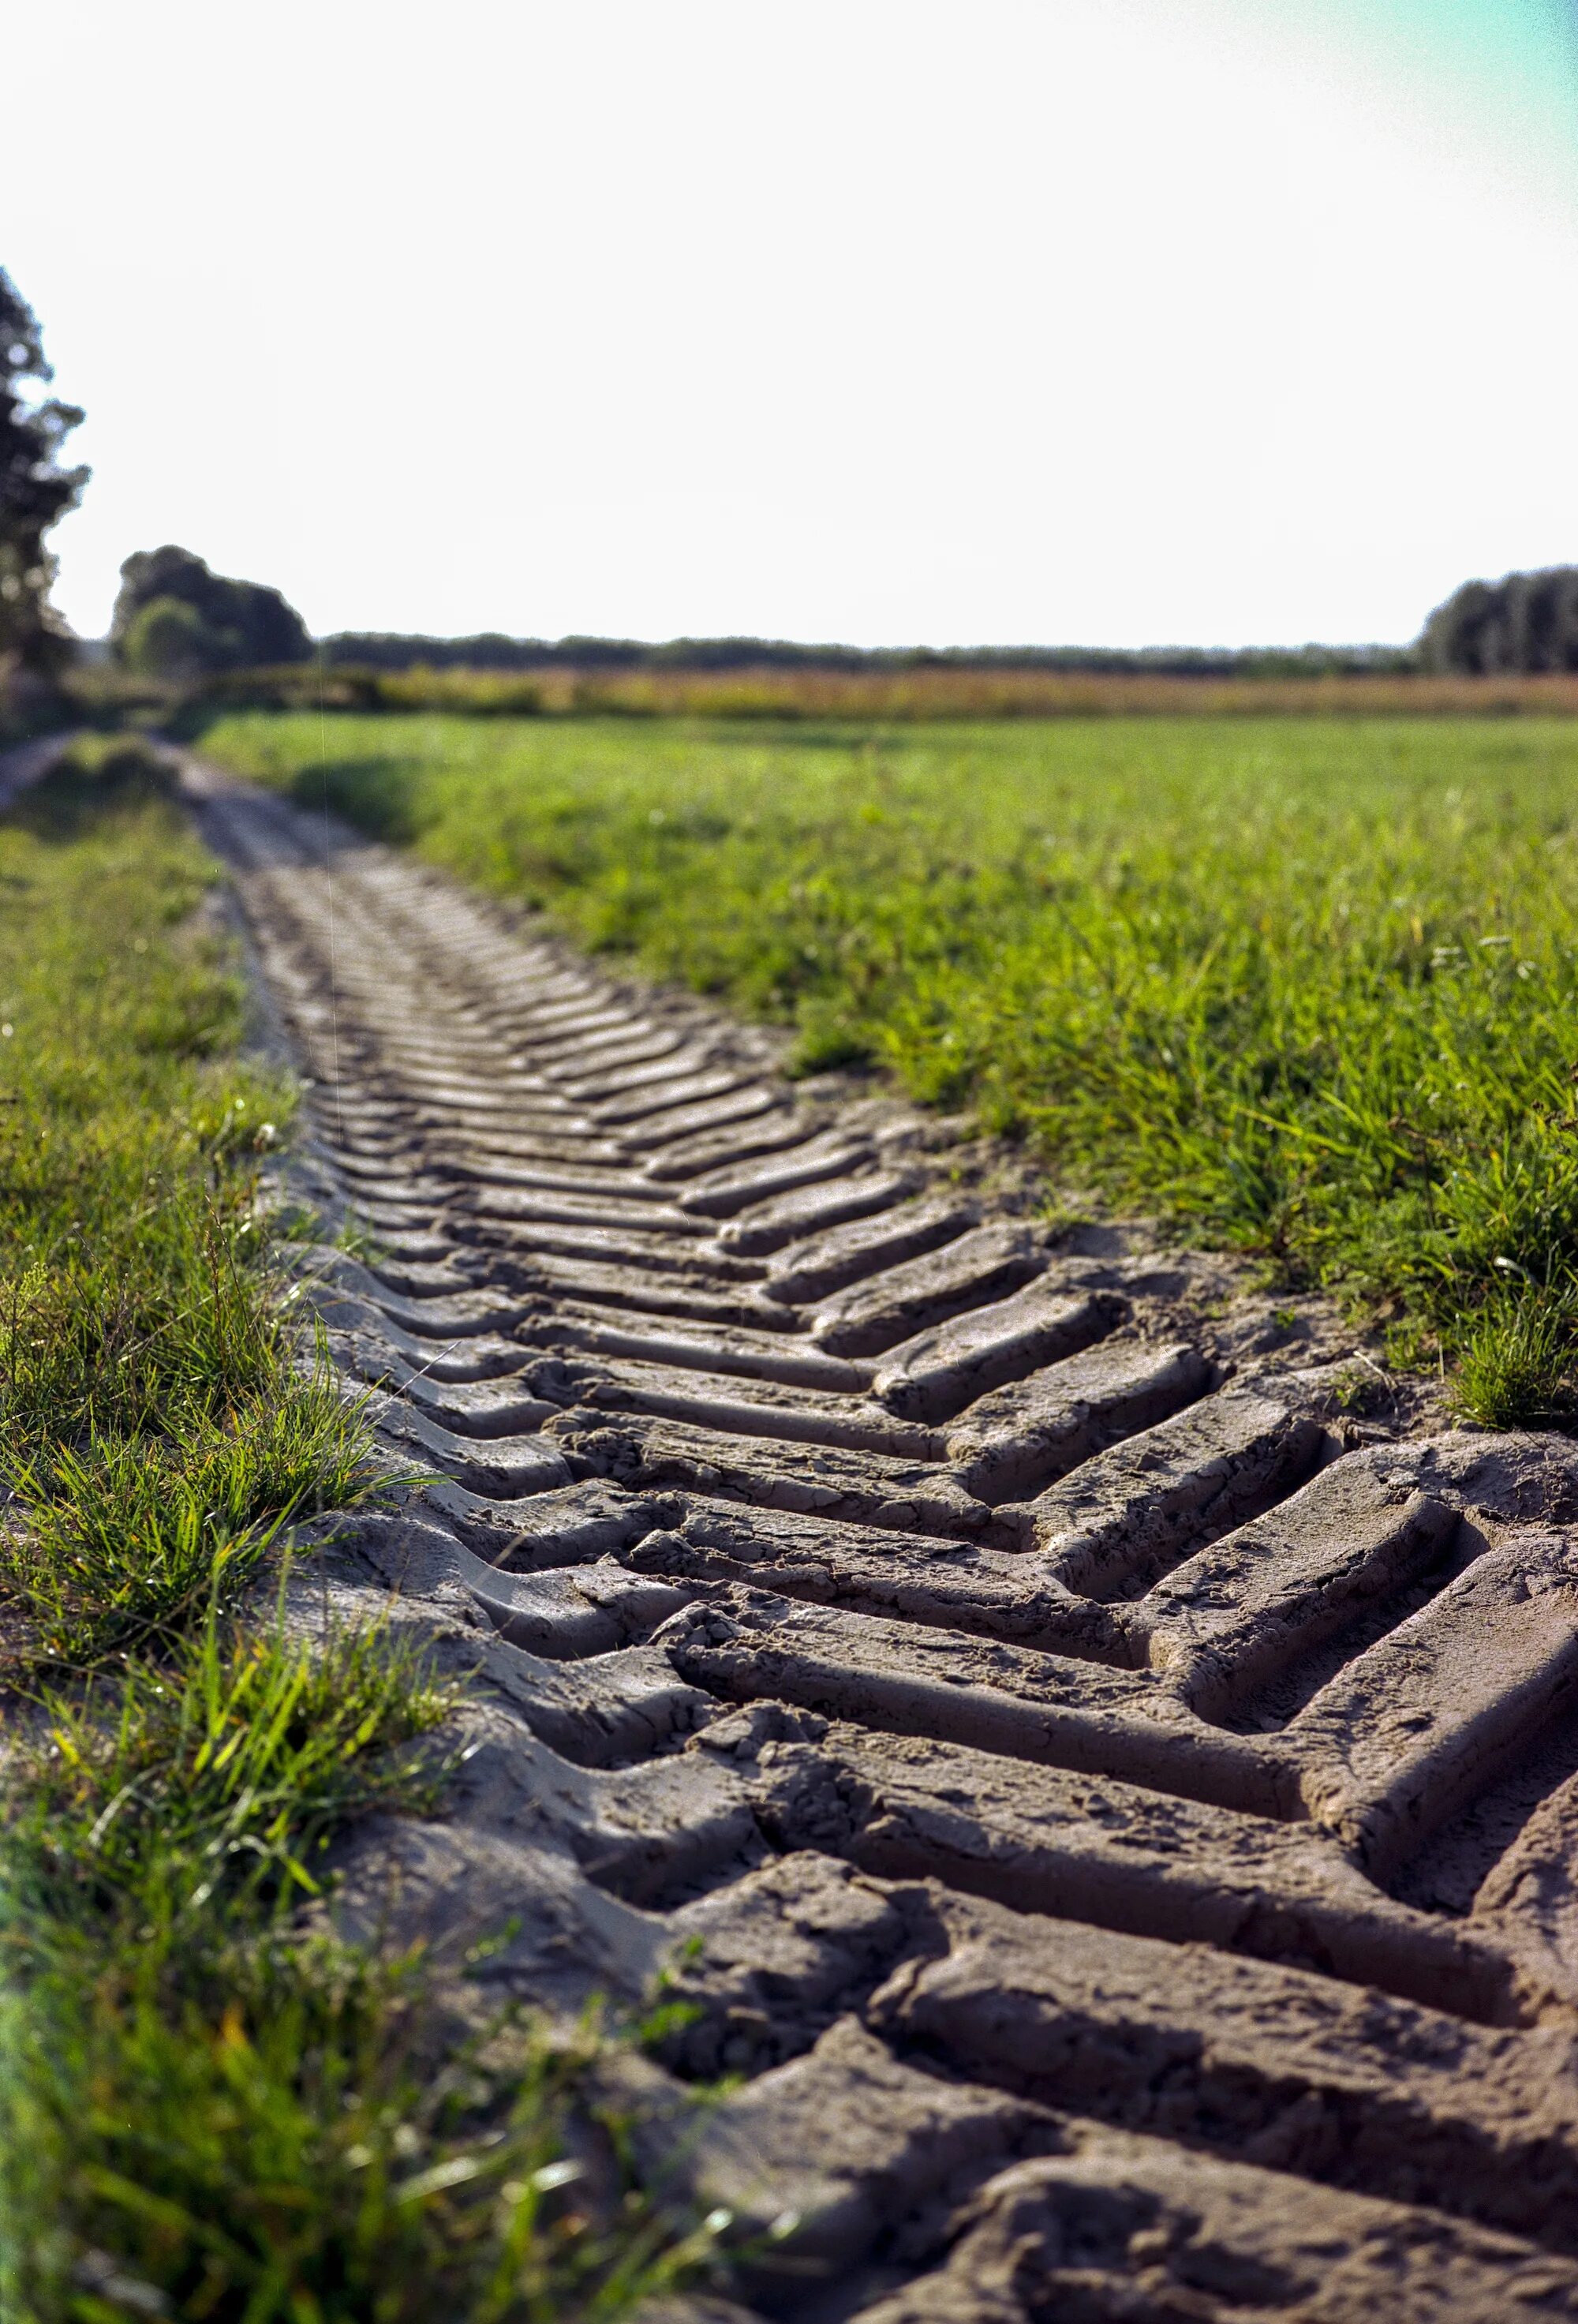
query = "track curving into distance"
{"x": 1115, "y": 1817}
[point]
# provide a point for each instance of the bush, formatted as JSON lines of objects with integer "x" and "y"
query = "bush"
{"x": 168, "y": 639}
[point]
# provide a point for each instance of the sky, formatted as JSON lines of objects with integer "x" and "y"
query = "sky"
{"x": 1111, "y": 322}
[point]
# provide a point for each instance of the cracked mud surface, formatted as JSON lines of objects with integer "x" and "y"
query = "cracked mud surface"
{"x": 1111, "y": 1809}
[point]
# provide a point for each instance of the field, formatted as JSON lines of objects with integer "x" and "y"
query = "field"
{"x": 1304, "y": 987}
{"x": 921, "y": 694}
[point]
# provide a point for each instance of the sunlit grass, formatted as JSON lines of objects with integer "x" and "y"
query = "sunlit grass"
{"x": 155, "y": 1427}
{"x": 120, "y": 1538}
{"x": 222, "y": 1768}
{"x": 279, "y": 2147}
{"x": 208, "y": 2113}
{"x": 1307, "y": 988}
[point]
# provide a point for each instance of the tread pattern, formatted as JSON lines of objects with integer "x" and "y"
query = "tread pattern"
{"x": 1117, "y": 1814}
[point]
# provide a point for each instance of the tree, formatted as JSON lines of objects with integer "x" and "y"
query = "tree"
{"x": 35, "y": 490}
{"x": 168, "y": 638}
{"x": 1524, "y": 621}
{"x": 222, "y": 624}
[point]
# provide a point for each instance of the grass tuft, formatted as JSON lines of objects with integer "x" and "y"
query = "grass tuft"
{"x": 1515, "y": 1367}
{"x": 117, "y": 1541}
{"x": 229, "y": 1763}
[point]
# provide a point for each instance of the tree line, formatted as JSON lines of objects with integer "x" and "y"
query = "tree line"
{"x": 390, "y": 651}
{"x": 176, "y": 620}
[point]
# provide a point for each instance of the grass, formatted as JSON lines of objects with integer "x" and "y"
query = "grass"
{"x": 1307, "y": 988}
{"x": 153, "y": 1421}
{"x": 127, "y": 1536}
{"x": 208, "y": 2115}
{"x": 286, "y": 2147}
{"x": 206, "y": 2111}
{"x": 228, "y": 1764}
{"x": 154, "y": 1424}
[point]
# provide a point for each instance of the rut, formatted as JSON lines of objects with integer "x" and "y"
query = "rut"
{"x": 1112, "y": 1813}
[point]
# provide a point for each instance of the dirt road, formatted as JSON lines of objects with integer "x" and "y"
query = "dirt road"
{"x": 1110, "y": 1802}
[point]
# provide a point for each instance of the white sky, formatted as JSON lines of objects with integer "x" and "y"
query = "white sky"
{"x": 1119, "y": 321}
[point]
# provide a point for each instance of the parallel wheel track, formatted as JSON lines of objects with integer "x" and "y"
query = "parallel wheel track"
{"x": 1117, "y": 1816}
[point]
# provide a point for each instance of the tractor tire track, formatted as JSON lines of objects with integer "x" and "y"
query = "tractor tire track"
{"x": 1116, "y": 1811}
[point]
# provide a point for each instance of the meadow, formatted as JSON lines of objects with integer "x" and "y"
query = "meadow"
{"x": 1302, "y": 986}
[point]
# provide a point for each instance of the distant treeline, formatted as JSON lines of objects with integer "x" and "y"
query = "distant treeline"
{"x": 1527, "y": 623}
{"x": 179, "y": 625}
{"x": 381, "y": 649}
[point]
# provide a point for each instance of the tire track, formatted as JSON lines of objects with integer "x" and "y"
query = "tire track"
{"x": 1115, "y": 1810}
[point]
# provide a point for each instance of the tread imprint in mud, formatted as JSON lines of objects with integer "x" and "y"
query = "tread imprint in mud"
{"x": 1116, "y": 1811}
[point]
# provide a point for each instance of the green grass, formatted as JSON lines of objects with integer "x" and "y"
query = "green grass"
{"x": 154, "y": 1426}
{"x": 283, "y": 2146}
{"x": 1306, "y": 989}
{"x": 225, "y": 1766}
{"x": 127, "y": 1536}
{"x": 208, "y": 2114}
{"x": 205, "y": 2112}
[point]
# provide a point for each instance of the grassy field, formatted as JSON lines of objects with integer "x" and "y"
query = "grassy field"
{"x": 1306, "y": 987}
{"x": 203, "y": 2114}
